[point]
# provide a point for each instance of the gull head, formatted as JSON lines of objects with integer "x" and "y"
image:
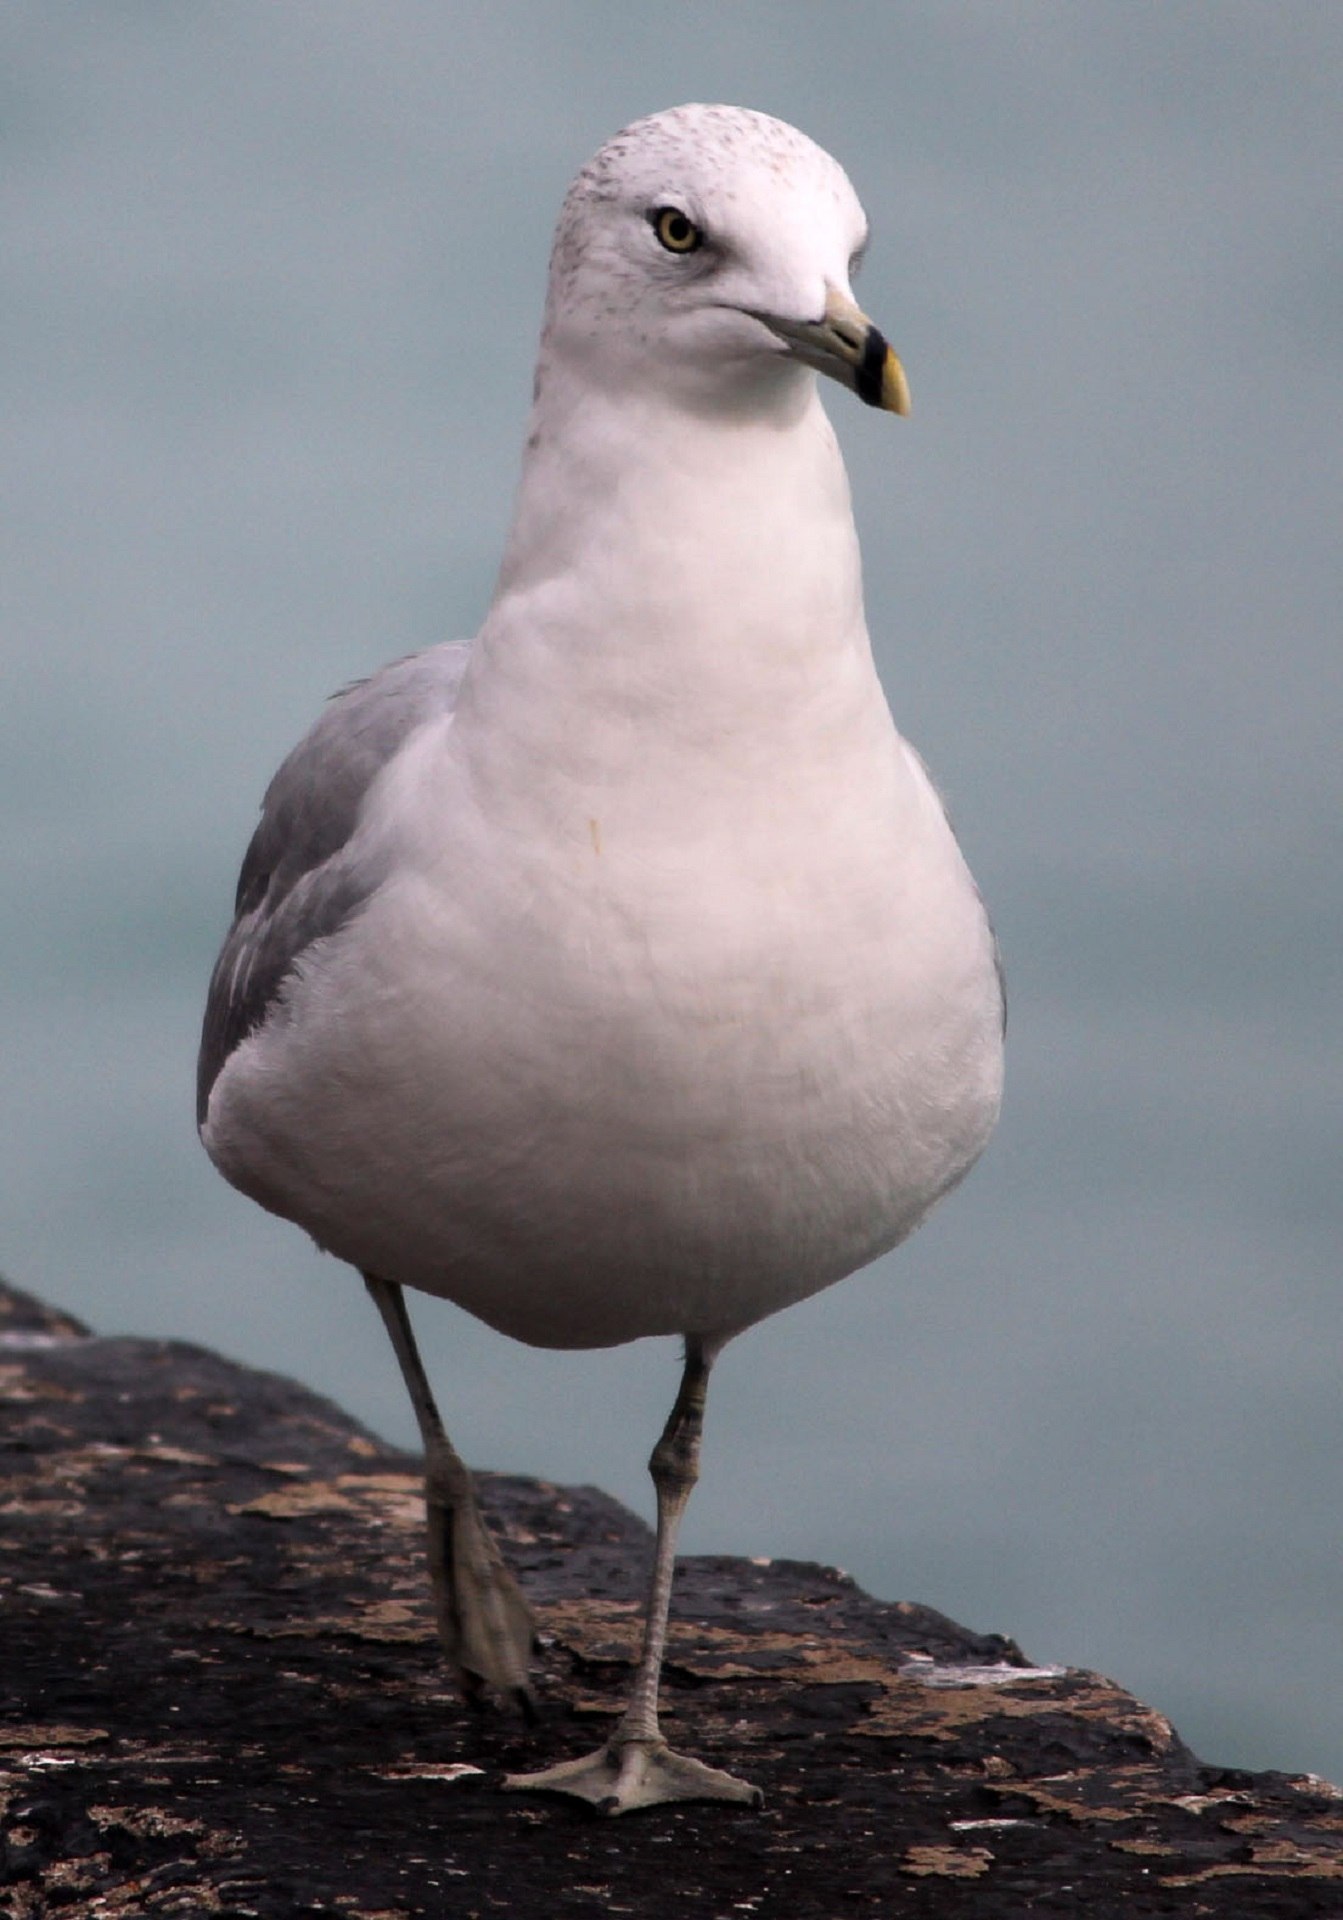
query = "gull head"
{"x": 705, "y": 256}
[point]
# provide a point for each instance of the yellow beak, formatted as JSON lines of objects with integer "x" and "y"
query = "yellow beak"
{"x": 846, "y": 345}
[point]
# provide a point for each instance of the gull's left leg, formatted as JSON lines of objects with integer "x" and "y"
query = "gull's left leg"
{"x": 636, "y": 1767}
{"x": 484, "y": 1623}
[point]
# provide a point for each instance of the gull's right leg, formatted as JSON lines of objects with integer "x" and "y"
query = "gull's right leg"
{"x": 636, "y": 1767}
{"x": 484, "y": 1623}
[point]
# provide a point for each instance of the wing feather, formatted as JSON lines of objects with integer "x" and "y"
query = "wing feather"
{"x": 304, "y": 874}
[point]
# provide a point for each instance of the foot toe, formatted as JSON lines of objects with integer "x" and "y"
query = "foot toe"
{"x": 620, "y": 1779}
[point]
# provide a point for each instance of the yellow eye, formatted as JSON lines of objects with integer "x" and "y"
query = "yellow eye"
{"x": 675, "y": 230}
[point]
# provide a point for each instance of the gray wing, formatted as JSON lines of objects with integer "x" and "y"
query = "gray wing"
{"x": 301, "y": 878}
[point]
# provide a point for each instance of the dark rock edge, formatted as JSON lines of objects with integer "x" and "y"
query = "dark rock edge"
{"x": 222, "y": 1696}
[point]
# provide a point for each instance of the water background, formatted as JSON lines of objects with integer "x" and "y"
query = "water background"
{"x": 272, "y": 278}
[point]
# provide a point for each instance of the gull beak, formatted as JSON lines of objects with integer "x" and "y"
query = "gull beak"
{"x": 846, "y": 345}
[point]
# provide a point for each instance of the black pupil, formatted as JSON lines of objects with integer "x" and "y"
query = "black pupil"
{"x": 677, "y": 229}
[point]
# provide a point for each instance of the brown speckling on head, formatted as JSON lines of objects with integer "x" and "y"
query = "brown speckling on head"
{"x": 673, "y": 153}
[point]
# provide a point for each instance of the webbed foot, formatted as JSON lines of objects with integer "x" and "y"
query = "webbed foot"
{"x": 485, "y": 1625}
{"x": 625, "y": 1775}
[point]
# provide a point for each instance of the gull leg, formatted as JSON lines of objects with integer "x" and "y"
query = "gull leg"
{"x": 636, "y": 1767}
{"x": 484, "y": 1623}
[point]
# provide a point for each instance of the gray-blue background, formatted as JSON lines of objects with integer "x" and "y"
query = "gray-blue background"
{"x": 272, "y": 276}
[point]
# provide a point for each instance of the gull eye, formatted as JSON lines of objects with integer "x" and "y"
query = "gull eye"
{"x": 675, "y": 230}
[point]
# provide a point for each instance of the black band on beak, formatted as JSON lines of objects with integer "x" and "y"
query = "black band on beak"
{"x": 867, "y": 380}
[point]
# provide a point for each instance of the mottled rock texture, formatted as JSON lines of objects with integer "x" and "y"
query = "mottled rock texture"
{"x": 221, "y": 1696}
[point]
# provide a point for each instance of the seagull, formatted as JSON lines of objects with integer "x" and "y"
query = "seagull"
{"x": 617, "y": 973}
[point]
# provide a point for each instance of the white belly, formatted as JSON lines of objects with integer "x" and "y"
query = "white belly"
{"x": 612, "y": 1083}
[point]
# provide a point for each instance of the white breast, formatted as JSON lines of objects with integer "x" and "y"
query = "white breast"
{"x": 599, "y": 1083}
{"x": 678, "y": 1003}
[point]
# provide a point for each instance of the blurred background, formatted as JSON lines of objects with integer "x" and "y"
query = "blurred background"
{"x": 272, "y": 281}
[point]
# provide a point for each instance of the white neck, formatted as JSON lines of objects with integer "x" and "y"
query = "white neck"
{"x": 676, "y": 578}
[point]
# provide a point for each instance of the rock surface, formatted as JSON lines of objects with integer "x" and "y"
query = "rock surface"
{"x": 222, "y": 1696}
